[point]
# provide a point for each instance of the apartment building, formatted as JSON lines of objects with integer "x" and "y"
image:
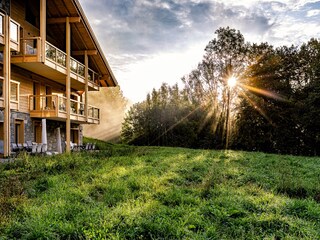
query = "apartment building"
{"x": 49, "y": 60}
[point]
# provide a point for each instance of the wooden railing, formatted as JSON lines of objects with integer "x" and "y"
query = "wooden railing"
{"x": 31, "y": 48}
{"x": 55, "y": 106}
{"x": 59, "y": 57}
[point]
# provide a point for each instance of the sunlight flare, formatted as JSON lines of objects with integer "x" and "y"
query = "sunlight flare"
{"x": 232, "y": 81}
{"x": 265, "y": 93}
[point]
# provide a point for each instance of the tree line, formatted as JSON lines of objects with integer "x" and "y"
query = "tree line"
{"x": 273, "y": 107}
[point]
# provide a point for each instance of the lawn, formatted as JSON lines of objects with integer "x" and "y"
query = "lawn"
{"x": 125, "y": 192}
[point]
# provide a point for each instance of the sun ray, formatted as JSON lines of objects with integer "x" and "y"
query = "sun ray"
{"x": 256, "y": 107}
{"x": 264, "y": 92}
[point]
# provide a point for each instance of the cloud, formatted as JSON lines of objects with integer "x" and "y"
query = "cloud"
{"x": 313, "y": 13}
{"x": 136, "y": 33}
{"x": 152, "y": 26}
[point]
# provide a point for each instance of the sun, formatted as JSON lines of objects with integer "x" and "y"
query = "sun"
{"x": 232, "y": 81}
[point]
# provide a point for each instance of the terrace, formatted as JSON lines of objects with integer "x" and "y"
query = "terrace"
{"x": 53, "y": 66}
{"x": 54, "y": 107}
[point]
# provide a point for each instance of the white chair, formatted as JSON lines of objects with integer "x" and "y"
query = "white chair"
{"x": 39, "y": 148}
{"x": 44, "y": 148}
{"x": 34, "y": 148}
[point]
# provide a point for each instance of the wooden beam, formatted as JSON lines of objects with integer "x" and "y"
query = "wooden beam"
{"x": 6, "y": 87}
{"x": 68, "y": 85}
{"x": 108, "y": 80}
{"x": 86, "y": 76}
{"x": 43, "y": 31}
{"x": 110, "y": 83}
{"x": 105, "y": 77}
{"x": 83, "y": 52}
{"x": 63, "y": 20}
{"x": 103, "y": 83}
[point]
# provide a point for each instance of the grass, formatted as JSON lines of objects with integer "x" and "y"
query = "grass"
{"x": 125, "y": 192}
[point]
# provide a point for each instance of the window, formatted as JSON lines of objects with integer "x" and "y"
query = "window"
{"x": 14, "y": 91}
{"x": 1, "y": 87}
{"x": 1, "y": 24}
{"x": 14, "y": 28}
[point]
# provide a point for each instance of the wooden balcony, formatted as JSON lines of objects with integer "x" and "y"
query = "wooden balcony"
{"x": 14, "y": 34}
{"x": 54, "y": 107}
{"x": 52, "y": 64}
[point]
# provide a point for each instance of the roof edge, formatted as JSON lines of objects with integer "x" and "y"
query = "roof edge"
{"x": 95, "y": 40}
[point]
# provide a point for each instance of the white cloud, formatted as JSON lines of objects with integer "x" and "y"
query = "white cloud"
{"x": 313, "y": 13}
{"x": 148, "y": 42}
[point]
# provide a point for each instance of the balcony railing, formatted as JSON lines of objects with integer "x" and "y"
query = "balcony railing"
{"x": 93, "y": 112}
{"x": 14, "y": 33}
{"x": 54, "y": 106}
{"x": 59, "y": 57}
{"x": 31, "y": 52}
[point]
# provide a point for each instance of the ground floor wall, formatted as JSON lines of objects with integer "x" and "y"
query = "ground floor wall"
{"x": 23, "y": 129}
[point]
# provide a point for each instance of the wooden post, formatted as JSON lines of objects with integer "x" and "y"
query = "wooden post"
{"x": 6, "y": 87}
{"x": 86, "y": 76}
{"x": 68, "y": 84}
{"x": 43, "y": 31}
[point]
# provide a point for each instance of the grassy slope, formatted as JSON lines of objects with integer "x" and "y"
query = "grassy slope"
{"x": 160, "y": 193}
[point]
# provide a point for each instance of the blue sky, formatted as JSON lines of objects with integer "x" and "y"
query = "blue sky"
{"x": 148, "y": 42}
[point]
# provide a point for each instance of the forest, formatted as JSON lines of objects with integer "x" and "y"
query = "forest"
{"x": 271, "y": 105}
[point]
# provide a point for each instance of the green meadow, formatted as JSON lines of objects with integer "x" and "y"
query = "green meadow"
{"x": 126, "y": 192}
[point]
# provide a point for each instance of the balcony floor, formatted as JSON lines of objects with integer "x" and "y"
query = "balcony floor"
{"x": 51, "y": 71}
{"x": 62, "y": 117}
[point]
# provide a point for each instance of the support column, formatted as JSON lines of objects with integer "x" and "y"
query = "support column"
{"x": 44, "y": 135}
{"x": 43, "y": 28}
{"x": 6, "y": 87}
{"x": 86, "y": 75}
{"x": 68, "y": 84}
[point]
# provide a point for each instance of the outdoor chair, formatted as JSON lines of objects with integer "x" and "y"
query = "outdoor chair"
{"x": 1, "y": 147}
{"x": 12, "y": 154}
{"x": 34, "y": 148}
{"x": 88, "y": 147}
{"x": 20, "y": 146}
{"x": 14, "y": 147}
{"x": 25, "y": 146}
{"x": 44, "y": 148}
{"x": 39, "y": 148}
{"x": 93, "y": 147}
{"x": 29, "y": 146}
{"x": 73, "y": 146}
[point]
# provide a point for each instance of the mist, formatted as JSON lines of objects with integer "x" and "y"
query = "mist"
{"x": 112, "y": 107}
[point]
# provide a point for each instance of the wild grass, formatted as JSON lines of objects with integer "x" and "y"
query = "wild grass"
{"x": 125, "y": 192}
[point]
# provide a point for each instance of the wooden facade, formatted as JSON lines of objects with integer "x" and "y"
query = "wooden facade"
{"x": 50, "y": 59}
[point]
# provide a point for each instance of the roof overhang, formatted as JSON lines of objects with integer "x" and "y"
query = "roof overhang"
{"x": 83, "y": 37}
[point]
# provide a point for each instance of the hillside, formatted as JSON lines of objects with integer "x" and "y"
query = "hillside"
{"x": 125, "y": 192}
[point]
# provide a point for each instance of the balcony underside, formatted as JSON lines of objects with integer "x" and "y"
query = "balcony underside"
{"x": 62, "y": 116}
{"x": 51, "y": 71}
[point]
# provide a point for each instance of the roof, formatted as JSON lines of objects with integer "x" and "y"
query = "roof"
{"x": 83, "y": 37}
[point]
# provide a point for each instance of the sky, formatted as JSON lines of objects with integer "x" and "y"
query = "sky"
{"x": 149, "y": 42}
